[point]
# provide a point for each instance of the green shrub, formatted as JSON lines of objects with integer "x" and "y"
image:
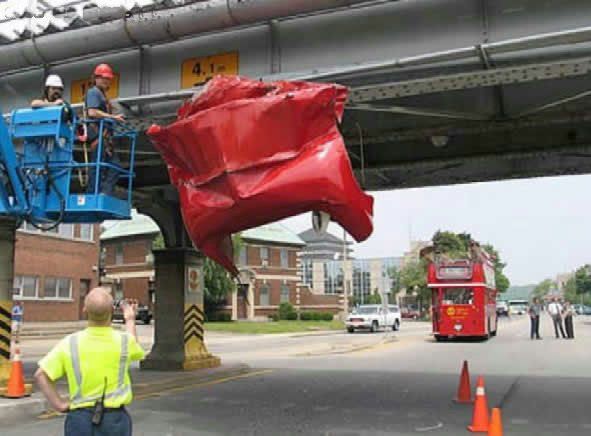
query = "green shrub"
{"x": 286, "y": 310}
{"x": 327, "y": 316}
{"x": 274, "y": 317}
{"x": 306, "y": 316}
{"x": 292, "y": 316}
{"x": 316, "y": 316}
{"x": 218, "y": 317}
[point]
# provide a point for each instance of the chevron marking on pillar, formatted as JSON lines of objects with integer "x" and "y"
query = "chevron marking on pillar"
{"x": 5, "y": 333}
{"x": 193, "y": 323}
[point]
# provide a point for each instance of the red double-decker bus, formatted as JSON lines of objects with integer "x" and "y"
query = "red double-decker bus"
{"x": 463, "y": 298}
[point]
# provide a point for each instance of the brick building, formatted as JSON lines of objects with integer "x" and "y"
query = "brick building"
{"x": 54, "y": 270}
{"x": 269, "y": 270}
{"x": 126, "y": 258}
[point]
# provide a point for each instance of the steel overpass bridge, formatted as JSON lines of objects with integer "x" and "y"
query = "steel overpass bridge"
{"x": 442, "y": 91}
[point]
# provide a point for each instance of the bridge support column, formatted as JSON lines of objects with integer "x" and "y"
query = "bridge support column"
{"x": 178, "y": 332}
{"x": 178, "y": 340}
{"x": 7, "y": 242}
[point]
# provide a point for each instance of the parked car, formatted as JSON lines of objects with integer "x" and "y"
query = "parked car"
{"x": 502, "y": 308}
{"x": 144, "y": 314}
{"x": 410, "y": 312}
{"x": 373, "y": 317}
{"x": 586, "y": 310}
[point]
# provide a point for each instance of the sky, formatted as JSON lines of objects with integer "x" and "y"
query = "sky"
{"x": 539, "y": 226}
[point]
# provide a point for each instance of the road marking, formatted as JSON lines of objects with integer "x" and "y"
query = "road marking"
{"x": 201, "y": 384}
{"x": 54, "y": 414}
{"x": 434, "y": 427}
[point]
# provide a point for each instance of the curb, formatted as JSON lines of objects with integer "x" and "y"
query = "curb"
{"x": 22, "y": 409}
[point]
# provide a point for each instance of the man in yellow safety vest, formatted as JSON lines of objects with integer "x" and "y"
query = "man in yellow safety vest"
{"x": 96, "y": 363}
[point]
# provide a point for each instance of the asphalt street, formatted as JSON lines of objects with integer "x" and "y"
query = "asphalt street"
{"x": 395, "y": 384}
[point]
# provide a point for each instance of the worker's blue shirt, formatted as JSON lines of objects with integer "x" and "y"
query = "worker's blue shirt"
{"x": 95, "y": 99}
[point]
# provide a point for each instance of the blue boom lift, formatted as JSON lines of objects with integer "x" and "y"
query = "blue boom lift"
{"x": 41, "y": 181}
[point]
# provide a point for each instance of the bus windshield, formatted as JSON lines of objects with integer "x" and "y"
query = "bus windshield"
{"x": 458, "y": 296}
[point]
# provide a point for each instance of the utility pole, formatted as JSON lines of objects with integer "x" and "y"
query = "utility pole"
{"x": 345, "y": 282}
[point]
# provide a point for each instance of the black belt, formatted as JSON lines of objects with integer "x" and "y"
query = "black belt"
{"x": 106, "y": 409}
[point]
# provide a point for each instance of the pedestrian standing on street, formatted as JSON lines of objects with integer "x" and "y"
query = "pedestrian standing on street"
{"x": 569, "y": 313}
{"x": 534, "y": 315}
{"x": 555, "y": 311}
{"x": 96, "y": 363}
{"x": 17, "y": 315}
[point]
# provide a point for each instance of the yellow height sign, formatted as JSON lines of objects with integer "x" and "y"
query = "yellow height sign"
{"x": 197, "y": 71}
{"x": 79, "y": 88}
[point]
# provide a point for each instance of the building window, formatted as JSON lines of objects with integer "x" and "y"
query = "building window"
{"x": 59, "y": 288}
{"x": 284, "y": 258}
{"x": 285, "y": 293}
{"x": 86, "y": 232}
{"x": 118, "y": 254}
{"x": 264, "y": 295}
{"x": 26, "y": 287}
{"x": 264, "y": 255}
{"x": 118, "y": 293}
{"x": 307, "y": 272}
{"x": 242, "y": 257}
{"x": 66, "y": 231}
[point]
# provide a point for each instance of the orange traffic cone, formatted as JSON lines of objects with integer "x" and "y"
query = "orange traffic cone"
{"x": 16, "y": 381}
{"x": 464, "y": 394}
{"x": 496, "y": 423}
{"x": 480, "y": 414}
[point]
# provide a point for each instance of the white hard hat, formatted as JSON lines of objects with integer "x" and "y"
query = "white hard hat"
{"x": 54, "y": 80}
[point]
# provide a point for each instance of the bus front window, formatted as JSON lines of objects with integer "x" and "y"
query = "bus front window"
{"x": 458, "y": 296}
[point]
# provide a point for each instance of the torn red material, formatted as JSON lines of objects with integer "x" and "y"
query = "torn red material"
{"x": 244, "y": 153}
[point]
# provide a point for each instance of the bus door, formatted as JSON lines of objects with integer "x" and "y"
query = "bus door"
{"x": 435, "y": 308}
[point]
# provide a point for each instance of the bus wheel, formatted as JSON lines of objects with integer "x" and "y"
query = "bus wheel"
{"x": 374, "y": 327}
{"x": 440, "y": 338}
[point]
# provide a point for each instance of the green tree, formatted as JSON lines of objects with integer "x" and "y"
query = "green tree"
{"x": 583, "y": 280}
{"x": 570, "y": 290}
{"x": 501, "y": 279}
{"x": 451, "y": 244}
{"x": 374, "y": 298}
{"x": 413, "y": 278}
{"x": 543, "y": 288}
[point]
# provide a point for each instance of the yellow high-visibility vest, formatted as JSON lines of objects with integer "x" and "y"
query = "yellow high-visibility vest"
{"x": 94, "y": 360}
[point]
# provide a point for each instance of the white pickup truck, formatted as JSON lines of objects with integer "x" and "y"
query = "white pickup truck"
{"x": 373, "y": 317}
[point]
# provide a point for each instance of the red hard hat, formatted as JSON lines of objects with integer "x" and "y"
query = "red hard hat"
{"x": 104, "y": 70}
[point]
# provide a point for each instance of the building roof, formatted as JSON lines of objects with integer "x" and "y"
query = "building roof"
{"x": 22, "y": 18}
{"x": 311, "y": 236}
{"x": 275, "y": 233}
{"x": 138, "y": 225}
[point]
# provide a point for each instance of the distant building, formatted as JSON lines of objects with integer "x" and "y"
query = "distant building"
{"x": 323, "y": 274}
{"x": 126, "y": 258}
{"x": 322, "y": 246}
{"x": 269, "y": 265}
{"x": 55, "y": 269}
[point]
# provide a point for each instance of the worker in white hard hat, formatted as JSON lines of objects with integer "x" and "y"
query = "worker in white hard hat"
{"x": 53, "y": 93}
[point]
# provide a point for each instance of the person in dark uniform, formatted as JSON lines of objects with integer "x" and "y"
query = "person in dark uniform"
{"x": 569, "y": 313}
{"x": 97, "y": 107}
{"x": 534, "y": 315}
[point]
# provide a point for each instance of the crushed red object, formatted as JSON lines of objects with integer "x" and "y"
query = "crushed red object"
{"x": 244, "y": 153}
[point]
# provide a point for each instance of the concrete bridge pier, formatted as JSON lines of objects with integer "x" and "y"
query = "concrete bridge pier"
{"x": 179, "y": 311}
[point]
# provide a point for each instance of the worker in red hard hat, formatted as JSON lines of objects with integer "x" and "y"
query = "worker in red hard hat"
{"x": 97, "y": 106}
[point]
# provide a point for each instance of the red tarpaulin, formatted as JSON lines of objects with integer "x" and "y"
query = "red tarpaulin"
{"x": 244, "y": 153}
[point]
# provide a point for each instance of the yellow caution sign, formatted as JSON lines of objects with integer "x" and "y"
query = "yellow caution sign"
{"x": 197, "y": 71}
{"x": 79, "y": 88}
